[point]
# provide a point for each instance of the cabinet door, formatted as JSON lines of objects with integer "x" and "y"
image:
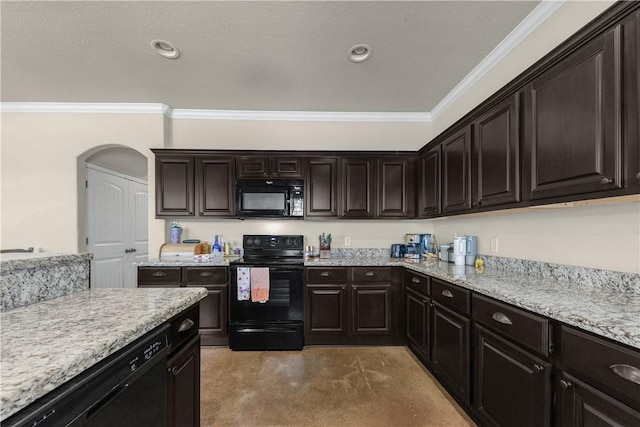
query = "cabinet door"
{"x": 450, "y": 350}
{"x": 326, "y": 309}
{"x": 371, "y": 309}
{"x": 358, "y": 190}
{"x": 174, "y": 186}
{"x": 430, "y": 189}
{"x": 253, "y": 167}
{"x": 213, "y": 315}
{"x": 215, "y": 186}
{"x": 286, "y": 167}
{"x": 395, "y": 187}
{"x": 456, "y": 163}
{"x": 575, "y": 121}
{"x": 578, "y": 404}
{"x": 512, "y": 386}
{"x": 496, "y": 148}
{"x": 418, "y": 315}
{"x": 183, "y": 386}
{"x": 322, "y": 187}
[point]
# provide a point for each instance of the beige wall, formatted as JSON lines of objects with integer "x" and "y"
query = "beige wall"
{"x": 41, "y": 196}
{"x": 295, "y": 135}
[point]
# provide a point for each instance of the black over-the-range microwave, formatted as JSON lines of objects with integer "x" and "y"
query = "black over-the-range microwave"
{"x": 270, "y": 198}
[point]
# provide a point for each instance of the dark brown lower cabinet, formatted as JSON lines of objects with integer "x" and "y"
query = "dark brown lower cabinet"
{"x": 450, "y": 350}
{"x": 213, "y": 315}
{"x": 371, "y": 309}
{"x": 579, "y": 404}
{"x": 418, "y": 313}
{"x": 183, "y": 386}
{"x": 512, "y": 386}
{"x": 326, "y": 310}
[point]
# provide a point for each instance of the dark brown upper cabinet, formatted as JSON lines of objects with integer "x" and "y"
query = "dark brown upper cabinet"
{"x": 174, "y": 185}
{"x": 574, "y": 122}
{"x": 321, "y": 198}
{"x": 395, "y": 187}
{"x": 358, "y": 187}
{"x": 496, "y": 154}
{"x": 632, "y": 101}
{"x": 456, "y": 176}
{"x": 215, "y": 185}
{"x": 429, "y": 189}
{"x": 269, "y": 167}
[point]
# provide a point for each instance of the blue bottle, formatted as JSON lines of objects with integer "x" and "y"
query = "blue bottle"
{"x": 176, "y": 232}
{"x": 216, "y": 245}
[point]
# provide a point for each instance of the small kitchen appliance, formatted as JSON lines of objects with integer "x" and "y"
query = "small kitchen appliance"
{"x": 412, "y": 246}
{"x": 459, "y": 250}
{"x": 445, "y": 250}
{"x": 398, "y": 250}
{"x": 270, "y": 198}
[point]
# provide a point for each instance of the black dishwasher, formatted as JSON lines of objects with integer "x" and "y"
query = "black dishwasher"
{"x": 127, "y": 389}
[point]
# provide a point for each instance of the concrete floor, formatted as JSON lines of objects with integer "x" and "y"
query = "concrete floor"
{"x": 323, "y": 386}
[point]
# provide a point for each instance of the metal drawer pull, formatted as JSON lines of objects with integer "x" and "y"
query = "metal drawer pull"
{"x": 501, "y": 318}
{"x": 186, "y": 325}
{"x": 415, "y": 280}
{"x": 538, "y": 368}
{"x": 447, "y": 293}
{"x": 370, "y": 273}
{"x": 159, "y": 274}
{"x": 326, "y": 274}
{"x": 605, "y": 180}
{"x": 206, "y": 274}
{"x": 566, "y": 384}
{"x": 628, "y": 372}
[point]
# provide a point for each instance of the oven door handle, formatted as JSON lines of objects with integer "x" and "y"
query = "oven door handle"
{"x": 274, "y": 329}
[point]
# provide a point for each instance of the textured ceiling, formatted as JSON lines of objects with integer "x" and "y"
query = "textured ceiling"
{"x": 242, "y": 55}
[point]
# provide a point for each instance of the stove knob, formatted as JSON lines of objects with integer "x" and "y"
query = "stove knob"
{"x": 257, "y": 242}
{"x": 296, "y": 241}
{"x": 249, "y": 242}
{"x": 289, "y": 242}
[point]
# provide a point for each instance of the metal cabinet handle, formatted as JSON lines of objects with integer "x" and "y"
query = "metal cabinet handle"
{"x": 174, "y": 370}
{"x": 605, "y": 181}
{"x": 126, "y": 251}
{"x": 501, "y": 318}
{"x": 425, "y": 301}
{"x": 159, "y": 274}
{"x": 186, "y": 325}
{"x": 447, "y": 293}
{"x": 370, "y": 273}
{"x": 326, "y": 274}
{"x": 538, "y": 368}
{"x": 206, "y": 274}
{"x": 566, "y": 384}
{"x": 415, "y": 280}
{"x": 134, "y": 250}
{"x": 628, "y": 372}
{"x": 638, "y": 176}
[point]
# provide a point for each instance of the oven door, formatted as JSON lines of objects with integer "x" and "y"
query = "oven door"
{"x": 262, "y": 202}
{"x": 286, "y": 289}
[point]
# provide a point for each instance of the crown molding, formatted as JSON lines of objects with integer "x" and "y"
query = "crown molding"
{"x": 133, "y": 108}
{"x": 513, "y": 39}
{"x": 296, "y": 116}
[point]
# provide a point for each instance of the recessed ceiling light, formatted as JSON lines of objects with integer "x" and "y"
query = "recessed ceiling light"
{"x": 359, "y": 53}
{"x": 165, "y": 49}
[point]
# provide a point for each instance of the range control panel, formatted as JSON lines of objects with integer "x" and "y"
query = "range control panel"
{"x": 272, "y": 242}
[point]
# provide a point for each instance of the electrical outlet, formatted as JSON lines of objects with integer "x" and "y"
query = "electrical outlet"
{"x": 347, "y": 240}
{"x": 494, "y": 244}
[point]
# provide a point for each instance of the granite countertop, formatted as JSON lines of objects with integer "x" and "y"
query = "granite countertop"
{"x": 604, "y": 311}
{"x": 213, "y": 262}
{"x": 46, "y": 344}
{"x": 24, "y": 260}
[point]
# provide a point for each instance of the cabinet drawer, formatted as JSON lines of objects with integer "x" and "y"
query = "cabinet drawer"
{"x": 371, "y": 274}
{"x": 451, "y": 296}
{"x": 611, "y": 365}
{"x": 416, "y": 282}
{"x": 527, "y": 329}
{"x": 213, "y": 275}
{"x": 159, "y": 275}
{"x": 326, "y": 275}
{"x": 184, "y": 326}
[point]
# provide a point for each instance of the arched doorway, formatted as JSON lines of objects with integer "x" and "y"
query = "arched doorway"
{"x": 116, "y": 214}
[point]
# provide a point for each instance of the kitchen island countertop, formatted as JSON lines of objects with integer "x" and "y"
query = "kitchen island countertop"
{"x": 46, "y": 344}
{"x": 604, "y": 311}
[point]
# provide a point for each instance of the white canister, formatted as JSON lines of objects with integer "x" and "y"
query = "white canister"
{"x": 459, "y": 246}
{"x": 459, "y": 259}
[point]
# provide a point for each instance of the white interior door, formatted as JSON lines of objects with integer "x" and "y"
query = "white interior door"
{"x": 116, "y": 228}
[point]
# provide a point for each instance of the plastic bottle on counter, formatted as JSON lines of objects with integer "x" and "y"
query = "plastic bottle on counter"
{"x": 176, "y": 232}
{"x": 227, "y": 248}
{"x": 216, "y": 249}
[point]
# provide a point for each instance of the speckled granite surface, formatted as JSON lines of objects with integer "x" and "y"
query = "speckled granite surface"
{"x": 29, "y": 278}
{"x": 215, "y": 262}
{"x": 46, "y": 344}
{"x": 604, "y": 311}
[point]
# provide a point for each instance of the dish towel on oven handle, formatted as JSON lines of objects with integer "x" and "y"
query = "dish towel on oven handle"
{"x": 259, "y": 284}
{"x": 244, "y": 283}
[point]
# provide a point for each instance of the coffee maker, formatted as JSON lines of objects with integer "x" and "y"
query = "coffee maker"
{"x": 412, "y": 246}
